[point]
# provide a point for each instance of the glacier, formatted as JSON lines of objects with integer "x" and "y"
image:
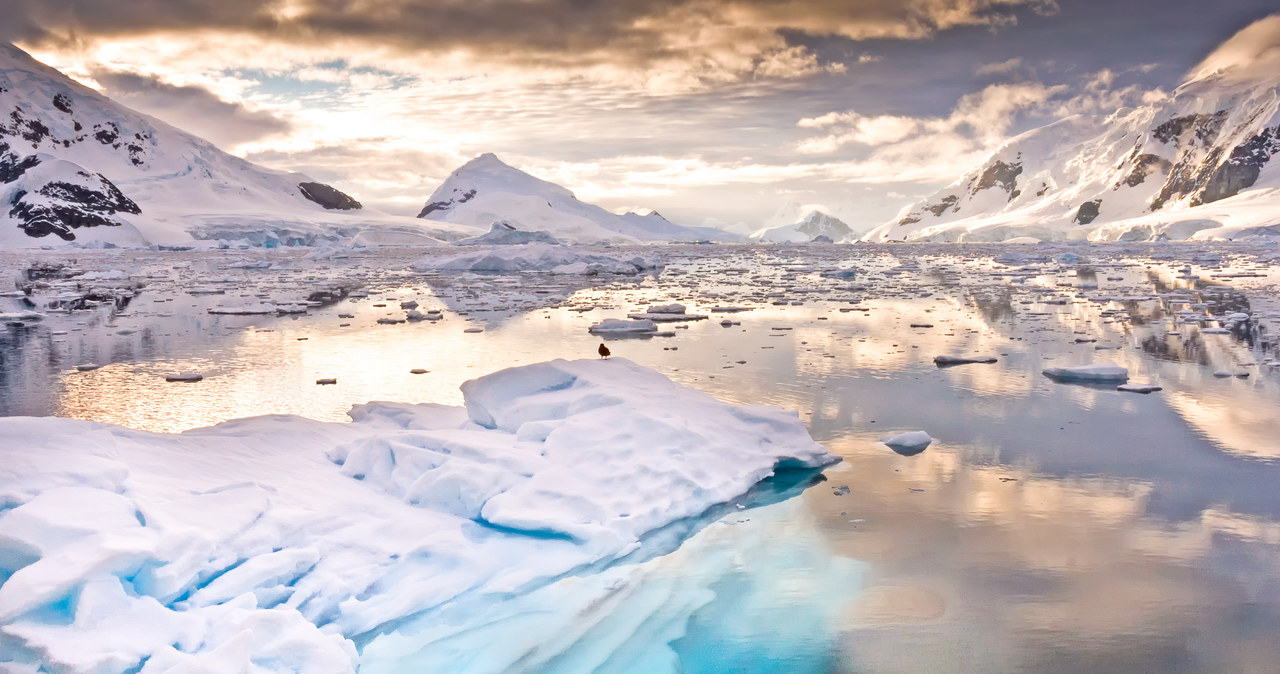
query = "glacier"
{"x": 400, "y": 539}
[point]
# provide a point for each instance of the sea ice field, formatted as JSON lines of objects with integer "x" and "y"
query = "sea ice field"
{"x": 799, "y": 458}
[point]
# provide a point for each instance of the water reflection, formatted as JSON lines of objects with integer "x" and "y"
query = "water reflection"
{"x": 1048, "y": 528}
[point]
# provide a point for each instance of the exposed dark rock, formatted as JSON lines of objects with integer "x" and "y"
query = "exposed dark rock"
{"x": 31, "y": 130}
{"x": 106, "y": 133}
{"x": 61, "y": 102}
{"x": 1241, "y": 169}
{"x": 1212, "y": 178}
{"x": 999, "y": 173}
{"x": 329, "y": 197}
{"x": 942, "y": 206}
{"x": 447, "y": 204}
{"x": 1143, "y": 166}
{"x": 1088, "y": 211}
{"x": 1205, "y": 127}
{"x": 12, "y": 167}
{"x": 909, "y": 220}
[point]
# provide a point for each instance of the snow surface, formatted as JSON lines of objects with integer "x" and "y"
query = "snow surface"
{"x": 485, "y": 191}
{"x": 279, "y": 543}
{"x": 538, "y": 257}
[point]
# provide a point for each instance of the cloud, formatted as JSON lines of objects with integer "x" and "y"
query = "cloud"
{"x": 930, "y": 150}
{"x": 1002, "y": 68}
{"x": 984, "y": 118}
{"x": 1252, "y": 53}
{"x": 192, "y": 108}
{"x": 676, "y": 42}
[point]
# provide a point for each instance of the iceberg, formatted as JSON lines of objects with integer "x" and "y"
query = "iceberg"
{"x": 538, "y": 257}
{"x": 279, "y": 543}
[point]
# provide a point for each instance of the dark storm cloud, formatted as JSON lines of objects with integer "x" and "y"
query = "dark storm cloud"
{"x": 558, "y": 30}
{"x": 194, "y": 109}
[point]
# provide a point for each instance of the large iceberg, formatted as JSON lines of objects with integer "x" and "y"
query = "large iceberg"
{"x": 279, "y": 543}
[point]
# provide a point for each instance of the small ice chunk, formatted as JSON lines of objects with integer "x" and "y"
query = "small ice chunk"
{"x": 185, "y": 377}
{"x": 245, "y": 310}
{"x": 943, "y": 361}
{"x": 1099, "y": 372}
{"x": 473, "y": 330}
{"x": 1139, "y": 388}
{"x": 909, "y": 443}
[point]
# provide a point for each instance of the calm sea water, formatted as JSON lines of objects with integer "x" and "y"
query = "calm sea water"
{"x": 1049, "y": 527}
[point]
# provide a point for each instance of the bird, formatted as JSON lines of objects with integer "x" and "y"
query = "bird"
{"x": 603, "y": 351}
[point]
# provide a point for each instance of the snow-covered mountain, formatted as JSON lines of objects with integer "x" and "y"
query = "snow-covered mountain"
{"x": 1198, "y": 164}
{"x": 78, "y": 167}
{"x": 813, "y": 225}
{"x": 485, "y": 190}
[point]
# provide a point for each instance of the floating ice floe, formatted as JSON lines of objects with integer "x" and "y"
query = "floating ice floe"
{"x": 538, "y": 257}
{"x": 909, "y": 443}
{"x": 279, "y": 543}
{"x": 666, "y": 313}
{"x": 185, "y": 377}
{"x": 245, "y": 310}
{"x": 943, "y": 361}
{"x": 21, "y": 317}
{"x": 623, "y": 326}
{"x": 1098, "y": 372}
{"x": 1139, "y": 388}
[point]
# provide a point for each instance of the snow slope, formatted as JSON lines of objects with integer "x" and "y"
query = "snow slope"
{"x": 77, "y": 167}
{"x": 485, "y": 191}
{"x": 1198, "y": 164}
{"x": 279, "y": 543}
{"x": 814, "y": 224}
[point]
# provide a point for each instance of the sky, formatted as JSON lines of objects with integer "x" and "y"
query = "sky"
{"x": 711, "y": 111}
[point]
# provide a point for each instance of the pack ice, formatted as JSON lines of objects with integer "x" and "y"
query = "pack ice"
{"x": 279, "y": 543}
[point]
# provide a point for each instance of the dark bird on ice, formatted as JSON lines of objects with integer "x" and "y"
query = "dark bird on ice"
{"x": 603, "y": 351}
